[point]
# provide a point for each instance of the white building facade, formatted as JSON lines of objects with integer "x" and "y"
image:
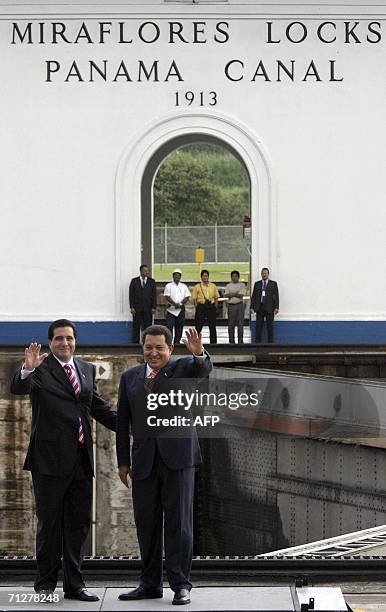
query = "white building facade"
{"x": 95, "y": 95}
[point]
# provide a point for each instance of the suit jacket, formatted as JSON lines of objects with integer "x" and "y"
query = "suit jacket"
{"x": 178, "y": 452}
{"x": 271, "y": 296}
{"x": 143, "y": 299}
{"x": 53, "y": 447}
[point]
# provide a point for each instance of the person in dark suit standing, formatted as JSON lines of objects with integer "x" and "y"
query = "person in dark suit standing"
{"x": 161, "y": 468}
{"x": 63, "y": 395}
{"x": 265, "y": 302}
{"x": 143, "y": 301}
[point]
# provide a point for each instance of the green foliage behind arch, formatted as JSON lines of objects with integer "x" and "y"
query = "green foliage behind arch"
{"x": 201, "y": 185}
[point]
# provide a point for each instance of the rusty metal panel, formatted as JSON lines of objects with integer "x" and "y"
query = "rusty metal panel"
{"x": 286, "y": 455}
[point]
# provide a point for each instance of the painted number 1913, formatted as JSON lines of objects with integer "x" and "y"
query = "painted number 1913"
{"x": 200, "y": 98}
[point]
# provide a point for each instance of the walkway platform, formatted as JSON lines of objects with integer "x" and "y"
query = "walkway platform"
{"x": 285, "y": 598}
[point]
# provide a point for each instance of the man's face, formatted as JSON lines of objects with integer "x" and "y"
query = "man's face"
{"x": 145, "y": 271}
{"x": 235, "y": 278}
{"x": 176, "y": 277}
{"x": 264, "y": 274}
{"x": 156, "y": 352}
{"x": 205, "y": 277}
{"x": 63, "y": 343}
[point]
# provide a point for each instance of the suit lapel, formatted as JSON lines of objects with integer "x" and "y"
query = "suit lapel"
{"x": 141, "y": 372}
{"x": 83, "y": 374}
{"x": 167, "y": 371}
{"x": 59, "y": 373}
{"x": 163, "y": 375}
{"x": 137, "y": 382}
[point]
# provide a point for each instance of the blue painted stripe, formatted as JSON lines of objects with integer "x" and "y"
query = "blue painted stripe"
{"x": 327, "y": 332}
{"x": 100, "y": 333}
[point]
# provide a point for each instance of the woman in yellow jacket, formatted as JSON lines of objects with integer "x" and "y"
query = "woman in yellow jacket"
{"x": 205, "y": 295}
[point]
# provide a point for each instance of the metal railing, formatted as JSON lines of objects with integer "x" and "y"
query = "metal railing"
{"x": 222, "y": 243}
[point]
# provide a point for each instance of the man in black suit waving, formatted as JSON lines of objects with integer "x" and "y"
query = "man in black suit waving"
{"x": 60, "y": 455}
{"x": 143, "y": 301}
{"x": 161, "y": 467}
{"x": 265, "y": 302}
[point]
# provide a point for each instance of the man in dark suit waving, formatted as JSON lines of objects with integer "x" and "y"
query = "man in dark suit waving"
{"x": 60, "y": 455}
{"x": 143, "y": 301}
{"x": 265, "y": 302}
{"x": 161, "y": 467}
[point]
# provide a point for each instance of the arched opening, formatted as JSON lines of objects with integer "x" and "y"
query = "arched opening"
{"x": 196, "y": 194}
{"x": 157, "y": 159}
{"x": 134, "y": 182}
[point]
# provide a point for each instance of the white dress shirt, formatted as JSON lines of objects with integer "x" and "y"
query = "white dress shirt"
{"x": 200, "y": 359}
{"x": 177, "y": 292}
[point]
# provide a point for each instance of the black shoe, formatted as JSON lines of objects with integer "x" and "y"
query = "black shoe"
{"x": 141, "y": 593}
{"x": 181, "y": 597}
{"x": 81, "y": 595}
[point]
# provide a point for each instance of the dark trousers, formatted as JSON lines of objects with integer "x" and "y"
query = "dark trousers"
{"x": 262, "y": 315}
{"x": 63, "y": 510}
{"x": 206, "y": 313}
{"x": 141, "y": 320}
{"x": 166, "y": 496}
{"x": 236, "y": 319}
{"x": 176, "y": 324}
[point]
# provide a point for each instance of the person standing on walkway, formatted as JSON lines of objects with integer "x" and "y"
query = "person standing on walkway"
{"x": 205, "y": 296}
{"x": 161, "y": 467}
{"x": 176, "y": 294}
{"x": 235, "y": 291}
{"x": 63, "y": 396}
{"x": 143, "y": 301}
{"x": 265, "y": 302}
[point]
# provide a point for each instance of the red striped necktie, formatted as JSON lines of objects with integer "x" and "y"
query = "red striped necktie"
{"x": 149, "y": 381}
{"x": 75, "y": 385}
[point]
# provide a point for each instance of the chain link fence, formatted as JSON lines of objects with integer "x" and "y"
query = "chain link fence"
{"x": 222, "y": 243}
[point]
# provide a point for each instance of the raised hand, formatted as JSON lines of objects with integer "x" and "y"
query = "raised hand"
{"x": 33, "y": 358}
{"x": 193, "y": 342}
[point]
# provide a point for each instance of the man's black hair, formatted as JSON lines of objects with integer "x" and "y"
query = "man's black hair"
{"x": 61, "y": 323}
{"x": 235, "y": 272}
{"x": 158, "y": 330}
{"x": 204, "y": 272}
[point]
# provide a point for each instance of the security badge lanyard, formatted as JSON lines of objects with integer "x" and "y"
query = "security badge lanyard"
{"x": 263, "y": 291}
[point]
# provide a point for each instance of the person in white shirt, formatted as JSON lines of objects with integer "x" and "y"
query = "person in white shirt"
{"x": 176, "y": 294}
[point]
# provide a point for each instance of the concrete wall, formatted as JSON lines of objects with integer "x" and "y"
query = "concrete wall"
{"x": 114, "y": 530}
{"x": 17, "y": 517}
